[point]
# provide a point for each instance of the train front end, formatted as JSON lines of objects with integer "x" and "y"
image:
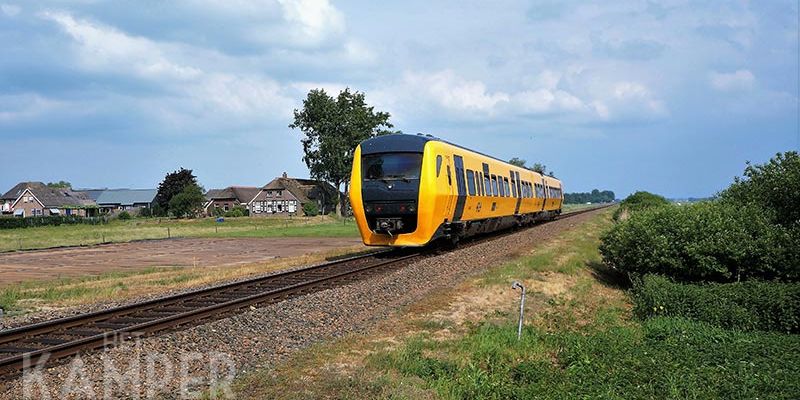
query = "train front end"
{"x": 387, "y": 174}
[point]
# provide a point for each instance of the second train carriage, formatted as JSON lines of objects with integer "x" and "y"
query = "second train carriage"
{"x": 409, "y": 190}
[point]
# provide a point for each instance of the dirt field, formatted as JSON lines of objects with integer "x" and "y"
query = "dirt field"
{"x": 79, "y": 261}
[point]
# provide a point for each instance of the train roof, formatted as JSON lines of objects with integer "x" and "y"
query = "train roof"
{"x": 401, "y": 142}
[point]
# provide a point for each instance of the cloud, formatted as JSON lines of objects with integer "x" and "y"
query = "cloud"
{"x": 455, "y": 93}
{"x": 10, "y": 10}
{"x": 197, "y": 84}
{"x": 14, "y": 108}
{"x": 634, "y": 49}
{"x": 734, "y": 81}
{"x": 314, "y": 21}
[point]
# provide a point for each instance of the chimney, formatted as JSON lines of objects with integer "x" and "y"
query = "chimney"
{"x": 284, "y": 175}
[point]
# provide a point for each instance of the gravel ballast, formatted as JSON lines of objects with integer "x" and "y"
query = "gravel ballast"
{"x": 182, "y": 363}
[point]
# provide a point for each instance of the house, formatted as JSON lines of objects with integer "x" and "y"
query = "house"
{"x": 230, "y": 197}
{"x": 114, "y": 200}
{"x": 38, "y": 199}
{"x": 285, "y": 195}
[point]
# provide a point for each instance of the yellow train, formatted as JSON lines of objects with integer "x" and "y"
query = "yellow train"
{"x": 410, "y": 190}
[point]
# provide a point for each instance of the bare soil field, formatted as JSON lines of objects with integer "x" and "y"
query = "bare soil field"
{"x": 79, "y": 261}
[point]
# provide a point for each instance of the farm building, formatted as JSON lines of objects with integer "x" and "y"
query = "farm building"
{"x": 285, "y": 195}
{"x": 114, "y": 200}
{"x": 230, "y": 197}
{"x": 28, "y": 199}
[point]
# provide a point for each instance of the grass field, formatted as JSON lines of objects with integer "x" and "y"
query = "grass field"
{"x": 155, "y": 228}
{"x": 116, "y": 286}
{"x": 580, "y": 341}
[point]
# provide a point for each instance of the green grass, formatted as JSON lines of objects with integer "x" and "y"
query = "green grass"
{"x": 575, "y": 207}
{"x": 154, "y": 228}
{"x": 662, "y": 358}
{"x": 556, "y": 257}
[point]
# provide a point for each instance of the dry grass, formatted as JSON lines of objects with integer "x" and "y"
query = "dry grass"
{"x": 120, "y": 286}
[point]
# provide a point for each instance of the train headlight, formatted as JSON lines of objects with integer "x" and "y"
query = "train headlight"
{"x": 411, "y": 208}
{"x": 368, "y": 208}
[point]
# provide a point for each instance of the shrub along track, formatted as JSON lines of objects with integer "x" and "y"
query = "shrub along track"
{"x": 40, "y": 343}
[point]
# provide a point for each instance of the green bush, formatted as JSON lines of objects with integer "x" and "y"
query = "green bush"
{"x": 124, "y": 216}
{"x": 237, "y": 211}
{"x": 50, "y": 220}
{"x": 747, "y": 306}
{"x": 639, "y": 201}
{"x": 708, "y": 241}
{"x": 774, "y": 186}
{"x": 311, "y": 209}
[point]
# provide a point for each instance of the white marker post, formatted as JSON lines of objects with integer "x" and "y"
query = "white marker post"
{"x": 517, "y": 285}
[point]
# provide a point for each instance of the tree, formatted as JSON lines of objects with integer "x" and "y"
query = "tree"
{"x": 60, "y": 185}
{"x": 539, "y": 167}
{"x": 173, "y": 183}
{"x": 517, "y": 161}
{"x": 188, "y": 202}
{"x": 333, "y": 127}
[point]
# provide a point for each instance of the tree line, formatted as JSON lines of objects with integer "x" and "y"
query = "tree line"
{"x": 595, "y": 196}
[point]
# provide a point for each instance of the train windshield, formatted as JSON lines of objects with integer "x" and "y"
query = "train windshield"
{"x": 392, "y": 166}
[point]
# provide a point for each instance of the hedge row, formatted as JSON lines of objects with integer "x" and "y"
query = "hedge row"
{"x": 709, "y": 241}
{"x": 746, "y": 306}
{"x": 51, "y": 220}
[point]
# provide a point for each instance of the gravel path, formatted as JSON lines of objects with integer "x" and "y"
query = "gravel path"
{"x": 179, "y": 364}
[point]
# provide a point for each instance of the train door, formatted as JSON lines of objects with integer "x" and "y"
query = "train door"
{"x": 461, "y": 186}
{"x": 544, "y": 194}
{"x": 448, "y": 170}
{"x": 518, "y": 191}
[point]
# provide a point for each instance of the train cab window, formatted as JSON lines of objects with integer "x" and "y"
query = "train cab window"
{"x": 505, "y": 182}
{"x": 471, "y": 182}
{"x": 495, "y": 192}
{"x": 438, "y": 165}
{"x": 392, "y": 166}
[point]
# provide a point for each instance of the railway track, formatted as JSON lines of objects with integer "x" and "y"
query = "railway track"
{"x": 40, "y": 343}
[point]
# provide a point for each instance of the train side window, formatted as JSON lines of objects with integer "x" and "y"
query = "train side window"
{"x": 471, "y": 182}
{"x": 487, "y": 183}
{"x": 495, "y": 192}
{"x": 438, "y": 165}
{"x": 505, "y": 182}
{"x": 501, "y": 186}
{"x": 479, "y": 182}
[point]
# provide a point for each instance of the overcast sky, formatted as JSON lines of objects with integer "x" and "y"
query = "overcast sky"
{"x": 667, "y": 96}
